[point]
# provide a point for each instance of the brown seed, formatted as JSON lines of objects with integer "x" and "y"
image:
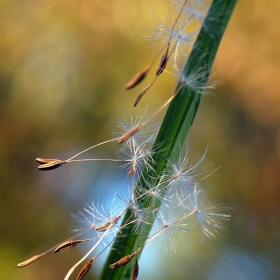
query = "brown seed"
{"x": 135, "y": 271}
{"x": 104, "y": 227}
{"x": 137, "y": 79}
{"x": 141, "y": 94}
{"x": 163, "y": 63}
{"x": 128, "y": 134}
{"x": 85, "y": 269}
{"x": 67, "y": 245}
{"x": 108, "y": 224}
{"x": 51, "y": 165}
{"x": 29, "y": 261}
{"x": 122, "y": 261}
{"x": 45, "y": 160}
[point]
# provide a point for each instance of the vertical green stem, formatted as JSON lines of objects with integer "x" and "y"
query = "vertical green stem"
{"x": 174, "y": 129}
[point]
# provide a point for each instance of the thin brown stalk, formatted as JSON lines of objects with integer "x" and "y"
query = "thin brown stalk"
{"x": 36, "y": 257}
{"x": 126, "y": 259}
{"x": 164, "y": 59}
{"x": 135, "y": 129}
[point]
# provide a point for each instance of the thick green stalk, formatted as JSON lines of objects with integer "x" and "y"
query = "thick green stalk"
{"x": 174, "y": 130}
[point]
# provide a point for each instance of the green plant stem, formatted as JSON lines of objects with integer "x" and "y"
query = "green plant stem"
{"x": 173, "y": 132}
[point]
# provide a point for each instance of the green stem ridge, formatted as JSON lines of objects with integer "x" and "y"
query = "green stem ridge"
{"x": 173, "y": 132}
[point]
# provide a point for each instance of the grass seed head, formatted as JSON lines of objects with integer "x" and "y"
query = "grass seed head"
{"x": 29, "y": 261}
{"x": 135, "y": 271}
{"x": 51, "y": 164}
{"x": 137, "y": 79}
{"x": 67, "y": 245}
{"x": 123, "y": 261}
{"x": 85, "y": 269}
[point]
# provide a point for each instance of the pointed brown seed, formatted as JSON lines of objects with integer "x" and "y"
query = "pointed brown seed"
{"x": 45, "y": 160}
{"x": 122, "y": 261}
{"x": 104, "y": 227}
{"x": 108, "y": 224}
{"x": 29, "y": 261}
{"x": 163, "y": 63}
{"x": 137, "y": 79}
{"x": 128, "y": 134}
{"x": 135, "y": 271}
{"x": 141, "y": 94}
{"x": 85, "y": 269}
{"x": 67, "y": 245}
{"x": 51, "y": 165}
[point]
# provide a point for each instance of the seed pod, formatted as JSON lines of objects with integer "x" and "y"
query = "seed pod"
{"x": 137, "y": 79}
{"x": 85, "y": 269}
{"x": 51, "y": 165}
{"x": 122, "y": 261}
{"x": 104, "y": 227}
{"x": 128, "y": 134}
{"x": 29, "y": 261}
{"x": 135, "y": 271}
{"x": 141, "y": 94}
{"x": 67, "y": 245}
{"x": 45, "y": 160}
{"x": 163, "y": 63}
{"x": 108, "y": 224}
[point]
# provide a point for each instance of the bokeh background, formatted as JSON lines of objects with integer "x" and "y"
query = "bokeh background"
{"x": 63, "y": 67}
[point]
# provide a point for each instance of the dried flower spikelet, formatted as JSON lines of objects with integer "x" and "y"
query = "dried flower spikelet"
{"x": 108, "y": 224}
{"x": 51, "y": 165}
{"x": 141, "y": 94}
{"x": 137, "y": 79}
{"x": 128, "y": 134}
{"x": 67, "y": 245}
{"x": 45, "y": 160}
{"x": 29, "y": 261}
{"x": 135, "y": 271}
{"x": 163, "y": 63}
{"x": 122, "y": 261}
{"x": 104, "y": 227}
{"x": 85, "y": 269}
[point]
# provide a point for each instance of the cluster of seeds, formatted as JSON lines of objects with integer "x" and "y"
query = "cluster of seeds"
{"x": 165, "y": 204}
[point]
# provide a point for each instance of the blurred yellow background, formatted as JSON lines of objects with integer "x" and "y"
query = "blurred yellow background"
{"x": 63, "y": 67}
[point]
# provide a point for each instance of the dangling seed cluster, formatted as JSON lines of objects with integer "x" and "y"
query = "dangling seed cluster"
{"x": 151, "y": 196}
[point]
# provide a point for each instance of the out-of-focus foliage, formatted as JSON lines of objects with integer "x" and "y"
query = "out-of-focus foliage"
{"x": 63, "y": 67}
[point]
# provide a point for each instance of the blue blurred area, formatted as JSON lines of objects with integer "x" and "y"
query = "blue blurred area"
{"x": 241, "y": 264}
